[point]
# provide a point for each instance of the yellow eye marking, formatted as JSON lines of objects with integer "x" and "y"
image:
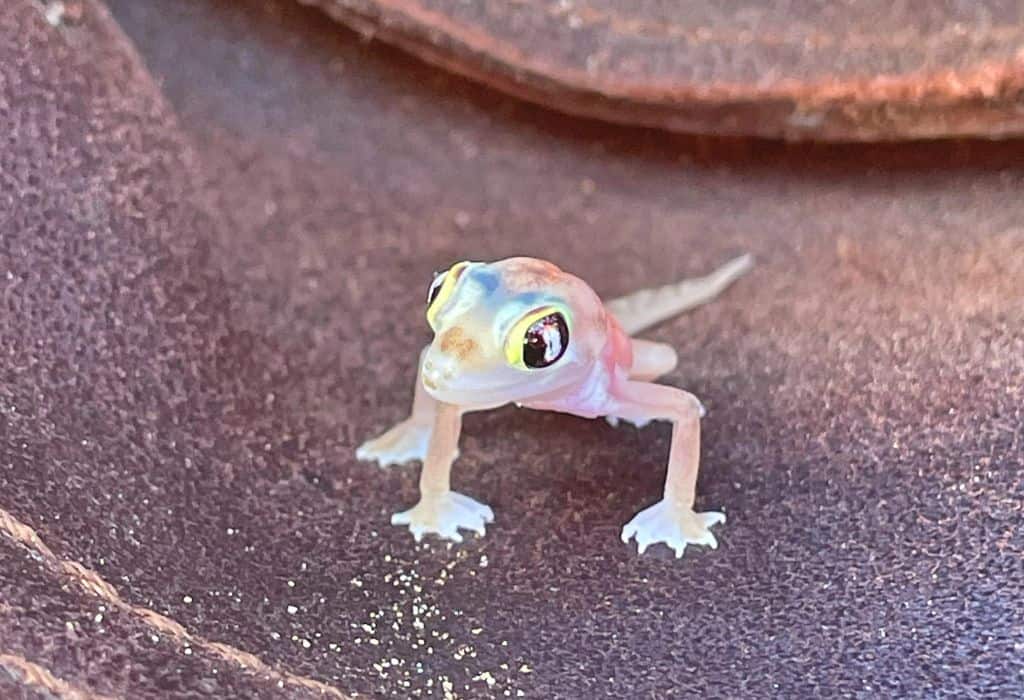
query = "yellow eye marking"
{"x": 516, "y": 336}
{"x": 445, "y": 292}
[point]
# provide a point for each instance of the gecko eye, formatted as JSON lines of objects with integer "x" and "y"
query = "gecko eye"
{"x": 545, "y": 341}
{"x": 441, "y": 290}
{"x": 435, "y": 286}
{"x": 539, "y": 340}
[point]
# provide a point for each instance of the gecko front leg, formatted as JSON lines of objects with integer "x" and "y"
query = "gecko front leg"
{"x": 408, "y": 440}
{"x": 672, "y": 520}
{"x": 440, "y": 510}
{"x": 650, "y": 361}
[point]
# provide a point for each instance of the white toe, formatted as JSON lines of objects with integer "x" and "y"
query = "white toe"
{"x": 672, "y": 525}
{"x": 444, "y": 515}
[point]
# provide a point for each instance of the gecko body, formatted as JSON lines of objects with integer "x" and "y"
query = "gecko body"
{"x": 523, "y": 331}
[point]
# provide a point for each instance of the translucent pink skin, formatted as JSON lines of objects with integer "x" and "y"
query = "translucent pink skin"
{"x": 604, "y": 372}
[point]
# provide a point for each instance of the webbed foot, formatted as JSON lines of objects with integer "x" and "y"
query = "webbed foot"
{"x": 443, "y": 515}
{"x": 405, "y": 442}
{"x": 675, "y": 525}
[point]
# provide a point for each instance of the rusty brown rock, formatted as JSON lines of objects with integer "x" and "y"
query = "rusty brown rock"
{"x": 843, "y": 71}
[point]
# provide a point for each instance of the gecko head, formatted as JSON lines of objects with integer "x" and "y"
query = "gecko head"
{"x": 507, "y": 331}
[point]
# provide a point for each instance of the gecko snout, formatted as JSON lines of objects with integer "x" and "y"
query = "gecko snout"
{"x": 436, "y": 373}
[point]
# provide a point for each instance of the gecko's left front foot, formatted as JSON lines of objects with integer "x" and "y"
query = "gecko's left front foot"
{"x": 443, "y": 514}
{"x": 675, "y": 525}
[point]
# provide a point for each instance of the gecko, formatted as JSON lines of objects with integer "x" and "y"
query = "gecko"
{"x": 522, "y": 331}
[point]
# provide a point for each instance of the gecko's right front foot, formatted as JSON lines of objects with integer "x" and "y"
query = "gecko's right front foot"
{"x": 405, "y": 442}
{"x": 444, "y": 514}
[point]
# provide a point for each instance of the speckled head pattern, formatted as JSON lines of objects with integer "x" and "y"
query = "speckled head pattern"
{"x": 482, "y": 313}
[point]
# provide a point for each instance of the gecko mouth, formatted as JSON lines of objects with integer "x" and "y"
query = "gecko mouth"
{"x": 474, "y": 397}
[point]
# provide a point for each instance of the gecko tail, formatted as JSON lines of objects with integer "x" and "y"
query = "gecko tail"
{"x": 641, "y": 310}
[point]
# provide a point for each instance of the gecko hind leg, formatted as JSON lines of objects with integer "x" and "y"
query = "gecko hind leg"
{"x": 408, "y": 440}
{"x": 404, "y": 442}
{"x": 652, "y": 360}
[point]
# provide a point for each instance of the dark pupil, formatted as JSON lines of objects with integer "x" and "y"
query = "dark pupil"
{"x": 435, "y": 289}
{"x": 545, "y": 341}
